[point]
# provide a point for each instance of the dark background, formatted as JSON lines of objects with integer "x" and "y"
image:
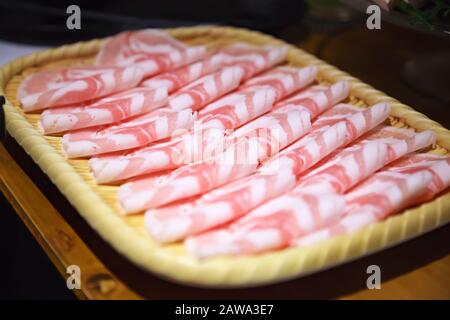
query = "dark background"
{"x": 44, "y": 18}
{"x": 25, "y": 270}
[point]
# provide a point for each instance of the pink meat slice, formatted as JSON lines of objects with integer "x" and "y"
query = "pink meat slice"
{"x": 347, "y": 169}
{"x": 175, "y": 79}
{"x": 220, "y": 207}
{"x": 270, "y": 227}
{"x": 272, "y": 179}
{"x": 330, "y": 181}
{"x": 318, "y": 98}
{"x": 297, "y": 219}
{"x": 382, "y": 195}
{"x": 207, "y": 138}
{"x": 242, "y": 62}
{"x": 285, "y": 218}
{"x": 153, "y": 51}
{"x": 142, "y": 130}
{"x": 83, "y": 89}
{"x": 285, "y": 80}
{"x": 45, "y": 80}
{"x": 109, "y": 110}
{"x": 375, "y": 150}
{"x": 206, "y": 89}
{"x": 277, "y": 130}
{"x": 342, "y": 173}
{"x": 181, "y": 150}
{"x": 398, "y": 142}
{"x": 413, "y": 179}
{"x": 437, "y": 165}
{"x": 229, "y": 112}
{"x": 224, "y": 204}
{"x": 238, "y": 108}
{"x": 326, "y": 135}
{"x": 254, "y": 59}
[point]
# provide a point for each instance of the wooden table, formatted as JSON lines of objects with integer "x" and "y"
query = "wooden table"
{"x": 418, "y": 269}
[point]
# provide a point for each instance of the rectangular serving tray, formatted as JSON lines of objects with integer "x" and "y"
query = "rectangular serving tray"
{"x": 97, "y": 204}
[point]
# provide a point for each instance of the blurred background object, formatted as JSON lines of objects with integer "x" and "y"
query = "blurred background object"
{"x": 429, "y": 74}
{"x": 430, "y": 16}
{"x": 423, "y": 43}
{"x": 329, "y": 15}
{"x": 43, "y": 21}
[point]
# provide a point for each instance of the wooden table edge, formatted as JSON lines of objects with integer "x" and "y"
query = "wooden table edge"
{"x": 55, "y": 246}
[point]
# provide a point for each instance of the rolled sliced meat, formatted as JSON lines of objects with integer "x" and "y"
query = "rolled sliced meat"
{"x": 437, "y": 165}
{"x": 45, "y": 80}
{"x": 108, "y": 110}
{"x": 318, "y": 98}
{"x": 285, "y": 80}
{"x": 181, "y": 150}
{"x": 240, "y": 159}
{"x": 79, "y": 90}
{"x": 193, "y": 146}
{"x": 399, "y": 140}
{"x": 413, "y": 179}
{"x": 152, "y": 50}
{"x": 240, "y": 107}
{"x": 206, "y": 89}
{"x": 254, "y": 59}
{"x": 175, "y": 79}
{"x": 301, "y": 219}
{"x": 243, "y": 62}
{"x": 272, "y": 179}
{"x": 226, "y": 203}
{"x": 341, "y": 174}
{"x": 227, "y": 113}
{"x": 285, "y": 218}
{"x": 142, "y": 130}
{"x": 344, "y": 172}
{"x": 272, "y": 226}
{"x": 326, "y": 135}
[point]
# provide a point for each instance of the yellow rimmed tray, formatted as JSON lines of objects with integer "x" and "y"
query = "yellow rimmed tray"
{"x": 97, "y": 204}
